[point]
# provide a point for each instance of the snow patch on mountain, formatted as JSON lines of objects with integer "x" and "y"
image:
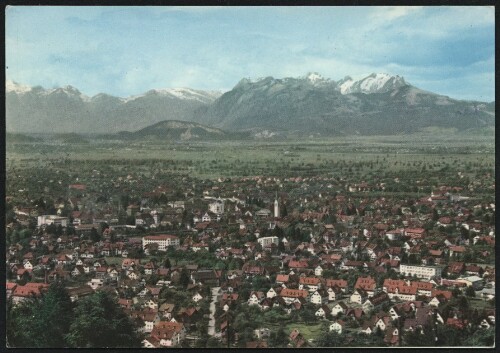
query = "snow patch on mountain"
{"x": 180, "y": 93}
{"x": 346, "y": 86}
{"x": 187, "y": 93}
{"x": 11, "y": 86}
{"x": 131, "y": 98}
{"x": 374, "y": 83}
{"x": 314, "y": 77}
{"x": 70, "y": 91}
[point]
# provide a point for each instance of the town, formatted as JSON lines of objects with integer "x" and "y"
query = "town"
{"x": 297, "y": 245}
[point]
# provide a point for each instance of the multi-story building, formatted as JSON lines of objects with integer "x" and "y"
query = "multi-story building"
{"x": 266, "y": 241}
{"x": 426, "y": 272}
{"x": 163, "y": 241}
{"x": 52, "y": 219}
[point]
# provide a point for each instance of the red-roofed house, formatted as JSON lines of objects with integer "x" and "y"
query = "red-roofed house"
{"x": 169, "y": 334}
{"x": 29, "y": 290}
{"x": 367, "y": 284}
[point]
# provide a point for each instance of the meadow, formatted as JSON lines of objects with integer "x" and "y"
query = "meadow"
{"x": 409, "y": 166}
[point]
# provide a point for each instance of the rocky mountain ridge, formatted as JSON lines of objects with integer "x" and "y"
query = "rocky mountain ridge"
{"x": 311, "y": 104}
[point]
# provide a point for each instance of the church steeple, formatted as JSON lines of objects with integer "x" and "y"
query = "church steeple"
{"x": 276, "y": 207}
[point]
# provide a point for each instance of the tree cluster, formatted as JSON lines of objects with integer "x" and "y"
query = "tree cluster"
{"x": 53, "y": 321}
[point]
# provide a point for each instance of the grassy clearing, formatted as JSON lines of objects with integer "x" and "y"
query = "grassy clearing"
{"x": 479, "y": 303}
{"x": 309, "y": 331}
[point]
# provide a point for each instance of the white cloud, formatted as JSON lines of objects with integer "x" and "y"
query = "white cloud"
{"x": 388, "y": 13}
{"x": 127, "y": 51}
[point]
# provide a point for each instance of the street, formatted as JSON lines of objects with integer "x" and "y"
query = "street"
{"x": 211, "y": 323}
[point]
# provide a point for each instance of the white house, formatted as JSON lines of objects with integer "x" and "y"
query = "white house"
{"x": 151, "y": 304}
{"x": 339, "y": 308}
{"x": 255, "y": 298}
{"x": 318, "y": 271}
{"x": 322, "y": 311}
{"x": 197, "y": 297}
{"x": 337, "y": 326}
{"x": 318, "y": 298}
{"x": 95, "y": 283}
{"x": 27, "y": 265}
{"x": 334, "y": 293}
{"x": 357, "y": 297}
{"x": 271, "y": 293}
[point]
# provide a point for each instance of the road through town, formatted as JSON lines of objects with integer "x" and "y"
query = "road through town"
{"x": 211, "y": 322}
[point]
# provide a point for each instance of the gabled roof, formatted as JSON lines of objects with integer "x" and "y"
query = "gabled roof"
{"x": 282, "y": 278}
{"x": 365, "y": 283}
{"x": 379, "y": 298}
{"x": 341, "y": 283}
{"x": 293, "y": 293}
{"x": 166, "y": 329}
{"x": 309, "y": 280}
{"x": 298, "y": 264}
{"x": 30, "y": 290}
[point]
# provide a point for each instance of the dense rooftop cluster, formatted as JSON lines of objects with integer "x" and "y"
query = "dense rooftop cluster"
{"x": 191, "y": 262}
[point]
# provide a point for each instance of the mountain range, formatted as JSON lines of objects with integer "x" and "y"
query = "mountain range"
{"x": 312, "y": 104}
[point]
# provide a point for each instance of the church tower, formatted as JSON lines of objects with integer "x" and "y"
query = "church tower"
{"x": 276, "y": 207}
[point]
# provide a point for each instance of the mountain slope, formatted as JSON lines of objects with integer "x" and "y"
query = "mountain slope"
{"x": 377, "y": 104}
{"x": 65, "y": 110}
{"x": 176, "y": 130}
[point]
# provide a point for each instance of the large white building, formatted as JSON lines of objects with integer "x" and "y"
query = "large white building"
{"x": 426, "y": 272}
{"x": 217, "y": 206}
{"x": 266, "y": 241}
{"x": 163, "y": 241}
{"x": 52, "y": 219}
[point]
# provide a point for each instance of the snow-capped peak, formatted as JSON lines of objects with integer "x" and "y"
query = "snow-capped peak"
{"x": 70, "y": 91}
{"x": 374, "y": 83}
{"x": 346, "y": 84}
{"x": 181, "y": 93}
{"x": 314, "y": 77}
{"x": 11, "y": 86}
{"x": 190, "y": 94}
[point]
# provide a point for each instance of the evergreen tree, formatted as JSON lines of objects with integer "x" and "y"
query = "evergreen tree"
{"x": 57, "y": 309}
{"x": 330, "y": 339}
{"x": 100, "y": 322}
{"x": 94, "y": 235}
{"x": 184, "y": 278}
{"x": 41, "y": 323}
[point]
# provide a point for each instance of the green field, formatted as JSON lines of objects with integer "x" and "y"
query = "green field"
{"x": 479, "y": 303}
{"x": 357, "y": 155}
{"x": 309, "y": 331}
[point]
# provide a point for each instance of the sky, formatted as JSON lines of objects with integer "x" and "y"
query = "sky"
{"x": 125, "y": 51}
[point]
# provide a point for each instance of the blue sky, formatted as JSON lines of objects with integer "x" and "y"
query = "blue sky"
{"x": 128, "y": 50}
